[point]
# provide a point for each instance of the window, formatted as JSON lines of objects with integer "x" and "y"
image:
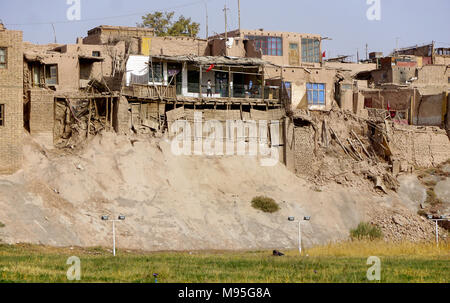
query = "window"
{"x": 157, "y": 72}
{"x": 316, "y": 93}
{"x": 51, "y": 74}
{"x": 3, "y": 58}
{"x": 2, "y": 114}
{"x": 270, "y": 46}
{"x": 311, "y": 50}
{"x": 95, "y": 54}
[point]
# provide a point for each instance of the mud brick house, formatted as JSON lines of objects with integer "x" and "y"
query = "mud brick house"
{"x": 297, "y": 56}
{"x": 11, "y": 100}
{"x": 412, "y": 85}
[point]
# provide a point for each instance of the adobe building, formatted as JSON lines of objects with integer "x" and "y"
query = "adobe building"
{"x": 409, "y": 87}
{"x": 142, "y": 41}
{"x": 297, "y": 56}
{"x": 11, "y": 100}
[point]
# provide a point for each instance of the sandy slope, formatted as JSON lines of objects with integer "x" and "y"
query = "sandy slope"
{"x": 171, "y": 203}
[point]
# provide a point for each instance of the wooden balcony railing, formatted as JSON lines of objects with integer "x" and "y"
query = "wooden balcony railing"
{"x": 150, "y": 91}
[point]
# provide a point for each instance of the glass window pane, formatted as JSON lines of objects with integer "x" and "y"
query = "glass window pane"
{"x": 308, "y": 86}
{"x": 322, "y": 86}
{"x": 321, "y": 97}
{"x": 310, "y": 97}
{"x": 315, "y": 86}
{"x": 315, "y": 96}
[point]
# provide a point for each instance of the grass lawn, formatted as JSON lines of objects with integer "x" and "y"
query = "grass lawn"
{"x": 344, "y": 262}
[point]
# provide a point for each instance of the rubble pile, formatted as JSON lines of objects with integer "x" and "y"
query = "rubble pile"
{"x": 342, "y": 151}
{"x": 406, "y": 226}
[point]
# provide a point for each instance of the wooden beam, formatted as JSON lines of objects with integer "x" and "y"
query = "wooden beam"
{"x": 89, "y": 119}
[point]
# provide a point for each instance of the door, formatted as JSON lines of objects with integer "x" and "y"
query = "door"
{"x": 175, "y": 76}
{"x": 222, "y": 84}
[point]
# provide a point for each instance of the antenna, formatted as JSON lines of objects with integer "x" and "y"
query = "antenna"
{"x": 239, "y": 15}
{"x": 226, "y": 26}
{"x": 367, "y": 51}
{"x": 206, "y": 8}
{"x": 54, "y": 33}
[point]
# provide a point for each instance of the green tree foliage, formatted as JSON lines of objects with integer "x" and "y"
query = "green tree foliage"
{"x": 164, "y": 25}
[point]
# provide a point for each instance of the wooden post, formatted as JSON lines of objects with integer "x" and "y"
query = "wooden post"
{"x": 200, "y": 83}
{"x": 281, "y": 92}
{"x": 107, "y": 112}
{"x": 229, "y": 82}
{"x": 263, "y": 84}
{"x": 111, "y": 113}
{"x": 89, "y": 119}
{"x": 159, "y": 116}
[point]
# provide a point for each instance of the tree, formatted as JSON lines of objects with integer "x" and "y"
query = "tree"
{"x": 164, "y": 25}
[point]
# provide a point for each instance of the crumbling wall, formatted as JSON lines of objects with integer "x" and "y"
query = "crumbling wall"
{"x": 419, "y": 146}
{"x": 273, "y": 116}
{"x": 443, "y": 59}
{"x": 41, "y": 116}
{"x": 429, "y": 110}
{"x": 123, "y": 116}
{"x": 398, "y": 99}
{"x": 433, "y": 75}
{"x": 304, "y": 150}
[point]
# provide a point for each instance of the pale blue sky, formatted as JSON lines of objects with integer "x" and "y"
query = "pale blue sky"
{"x": 411, "y": 21}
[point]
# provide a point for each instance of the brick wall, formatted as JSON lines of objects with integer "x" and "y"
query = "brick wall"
{"x": 11, "y": 95}
{"x": 41, "y": 111}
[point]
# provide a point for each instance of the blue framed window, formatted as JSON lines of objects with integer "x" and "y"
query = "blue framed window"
{"x": 315, "y": 93}
{"x": 270, "y": 46}
{"x": 311, "y": 50}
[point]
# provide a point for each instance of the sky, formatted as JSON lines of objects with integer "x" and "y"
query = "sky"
{"x": 401, "y": 23}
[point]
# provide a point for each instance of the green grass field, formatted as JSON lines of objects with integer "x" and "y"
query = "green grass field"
{"x": 345, "y": 262}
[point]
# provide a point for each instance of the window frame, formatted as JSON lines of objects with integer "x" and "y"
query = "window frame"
{"x": 96, "y": 54}
{"x": 5, "y": 63}
{"x": 152, "y": 73}
{"x": 269, "y": 45}
{"x": 2, "y": 114}
{"x": 48, "y": 74}
{"x": 311, "y": 50}
{"x": 312, "y": 97}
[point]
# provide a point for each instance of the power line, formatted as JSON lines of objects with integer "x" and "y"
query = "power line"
{"x": 106, "y": 18}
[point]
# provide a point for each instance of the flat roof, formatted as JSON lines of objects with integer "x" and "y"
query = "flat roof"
{"x": 121, "y": 28}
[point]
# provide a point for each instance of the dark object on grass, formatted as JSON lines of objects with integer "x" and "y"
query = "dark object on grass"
{"x": 277, "y": 253}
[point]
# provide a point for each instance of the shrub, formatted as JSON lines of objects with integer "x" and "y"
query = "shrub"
{"x": 266, "y": 204}
{"x": 2, "y": 225}
{"x": 366, "y": 231}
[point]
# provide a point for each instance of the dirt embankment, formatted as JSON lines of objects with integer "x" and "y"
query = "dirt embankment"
{"x": 171, "y": 202}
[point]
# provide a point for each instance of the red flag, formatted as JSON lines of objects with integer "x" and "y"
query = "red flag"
{"x": 324, "y": 54}
{"x": 210, "y": 68}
